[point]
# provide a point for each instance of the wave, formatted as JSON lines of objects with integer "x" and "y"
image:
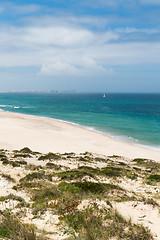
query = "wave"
{"x": 9, "y": 106}
{"x": 3, "y": 106}
{"x": 13, "y": 106}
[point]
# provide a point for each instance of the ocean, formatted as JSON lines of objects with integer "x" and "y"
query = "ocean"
{"x": 129, "y": 117}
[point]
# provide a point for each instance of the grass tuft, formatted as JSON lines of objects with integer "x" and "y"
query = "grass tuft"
{"x": 12, "y": 228}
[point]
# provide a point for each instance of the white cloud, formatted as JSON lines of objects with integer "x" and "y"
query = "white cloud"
{"x": 129, "y": 53}
{"x": 71, "y": 21}
{"x": 83, "y": 67}
{"x": 67, "y": 50}
{"x": 59, "y": 68}
{"x": 59, "y": 36}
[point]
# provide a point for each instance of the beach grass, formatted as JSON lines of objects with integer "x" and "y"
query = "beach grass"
{"x": 80, "y": 194}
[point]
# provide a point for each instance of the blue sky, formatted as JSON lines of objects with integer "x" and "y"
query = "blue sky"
{"x": 97, "y": 46}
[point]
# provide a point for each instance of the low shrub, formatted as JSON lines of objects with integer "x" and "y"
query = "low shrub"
{"x": 7, "y": 177}
{"x": 26, "y": 150}
{"x": 36, "y": 175}
{"x": 49, "y": 156}
{"x": 22, "y": 155}
{"x": 87, "y": 187}
{"x": 153, "y": 179}
{"x": 73, "y": 174}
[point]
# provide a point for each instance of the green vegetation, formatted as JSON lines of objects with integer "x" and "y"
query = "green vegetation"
{"x": 36, "y": 175}
{"x": 95, "y": 224}
{"x": 132, "y": 176}
{"x": 53, "y": 166}
{"x": 2, "y": 156}
{"x": 8, "y": 177}
{"x": 5, "y": 161}
{"x": 87, "y": 187}
{"x": 42, "y": 198}
{"x": 49, "y": 156}
{"x": 13, "y": 197}
{"x": 81, "y": 198}
{"x": 26, "y": 150}
{"x": 12, "y": 228}
{"x": 21, "y": 155}
{"x": 74, "y": 174}
{"x": 46, "y": 194}
{"x": 83, "y": 171}
{"x": 140, "y": 160}
{"x": 153, "y": 179}
{"x": 14, "y": 163}
{"x": 115, "y": 171}
{"x": 21, "y": 200}
{"x": 154, "y": 166}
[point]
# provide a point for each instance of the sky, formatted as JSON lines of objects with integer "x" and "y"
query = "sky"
{"x": 88, "y": 46}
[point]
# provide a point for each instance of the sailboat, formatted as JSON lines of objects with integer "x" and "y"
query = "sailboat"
{"x": 104, "y": 95}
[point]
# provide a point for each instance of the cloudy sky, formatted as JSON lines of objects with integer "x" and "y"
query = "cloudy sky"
{"x": 84, "y": 45}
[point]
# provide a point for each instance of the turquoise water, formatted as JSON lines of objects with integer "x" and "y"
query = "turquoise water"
{"x": 131, "y": 117}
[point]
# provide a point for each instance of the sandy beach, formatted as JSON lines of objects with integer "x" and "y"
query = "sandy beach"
{"x": 50, "y": 135}
{"x": 31, "y": 180}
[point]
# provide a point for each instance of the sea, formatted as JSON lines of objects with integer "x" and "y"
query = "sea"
{"x": 133, "y": 118}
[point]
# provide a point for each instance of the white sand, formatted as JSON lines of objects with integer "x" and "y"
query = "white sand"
{"x": 49, "y": 135}
{"x": 141, "y": 213}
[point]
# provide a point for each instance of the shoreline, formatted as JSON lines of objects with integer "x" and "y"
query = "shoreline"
{"x": 113, "y": 136}
{"x": 120, "y": 138}
{"x": 46, "y": 134}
